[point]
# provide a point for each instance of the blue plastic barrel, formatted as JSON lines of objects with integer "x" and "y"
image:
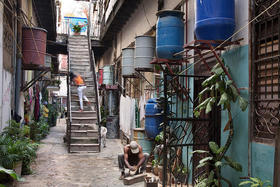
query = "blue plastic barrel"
{"x": 214, "y": 19}
{"x": 169, "y": 34}
{"x": 153, "y": 119}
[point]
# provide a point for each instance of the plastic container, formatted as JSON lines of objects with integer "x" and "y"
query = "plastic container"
{"x": 215, "y": 19}
{"x": 169, "y": 34}
{"x": 153, "y": 119}
{"x": 34, "y": 46}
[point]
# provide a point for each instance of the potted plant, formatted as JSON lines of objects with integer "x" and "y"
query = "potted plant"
{"x": 77, "y": 29}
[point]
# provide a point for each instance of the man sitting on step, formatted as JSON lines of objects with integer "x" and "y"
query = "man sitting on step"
{"x": 79, "y": 82}
{"x": 133, "y": 161}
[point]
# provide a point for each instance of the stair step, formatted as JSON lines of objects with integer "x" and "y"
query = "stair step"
{"x": 82, "y": 126}
{"x": 84, "y": 140}
{"x": 84, "y": 148}
{"x": 75, "y": 96}
{"x": 84, "y": 102}
{"x": 76, "y": 108}
{"x": 84, "y": 134}
{"x": 84, "y": 120}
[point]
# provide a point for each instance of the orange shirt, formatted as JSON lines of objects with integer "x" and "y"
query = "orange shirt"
{"x": 79, "y": 80}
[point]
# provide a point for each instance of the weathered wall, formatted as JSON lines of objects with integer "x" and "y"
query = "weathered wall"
{"x": 140, "y": 22}
{"x": 237, "y": 61}
{"x": 263, "y": 161}
{"x": 6, "y": 98}
{"x": 1, "y": 60}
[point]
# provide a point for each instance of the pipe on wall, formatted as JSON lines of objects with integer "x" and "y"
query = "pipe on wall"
{"x": 18, "y": 60}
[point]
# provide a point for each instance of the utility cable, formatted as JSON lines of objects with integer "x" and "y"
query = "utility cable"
{"x": 242, "y": 28}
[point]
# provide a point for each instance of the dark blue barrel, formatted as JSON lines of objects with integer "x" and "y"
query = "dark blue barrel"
{"x": 169, "y": 34}
{"x": 153, "y": 119}
{"x": 214, "y": 19}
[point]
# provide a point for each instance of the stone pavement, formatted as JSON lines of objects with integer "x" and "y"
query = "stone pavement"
{"x": 54, "y": 167}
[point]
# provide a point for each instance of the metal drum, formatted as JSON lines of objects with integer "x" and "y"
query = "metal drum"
{"x": 141, "y": 138}
{"x": 215, "y": 19}
{"x": 144, "y": 53}
{"x": 169, "y": 34}
{"x": 128, "y": 62}
{"x": 107, "y": 75}
{"x": 34, "y": 46}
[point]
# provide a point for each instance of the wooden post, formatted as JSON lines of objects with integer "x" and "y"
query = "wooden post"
{"x": 276, "y": 179}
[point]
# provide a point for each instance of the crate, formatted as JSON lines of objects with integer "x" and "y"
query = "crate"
{"x": 151, "y": 183}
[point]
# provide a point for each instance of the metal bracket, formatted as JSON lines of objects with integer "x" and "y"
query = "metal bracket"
{"x": 33, "y": 81}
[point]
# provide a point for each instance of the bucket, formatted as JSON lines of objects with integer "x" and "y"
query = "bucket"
{"x": 34, "y": 46}
{"x": 140, "y": 137}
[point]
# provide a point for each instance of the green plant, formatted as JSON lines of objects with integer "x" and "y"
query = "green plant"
{"x": 218, "y": 89}
{"x": 216, "y": 162}
{"x": 77, "y": 28}
{"x": 28, "y": 155}
{"x": 155, "y": 163}
{"x": 256, "y": 182}
{"x": 8, "y": 157}
{"x": 14, "y": 130}
{"x": 10, "y": 173}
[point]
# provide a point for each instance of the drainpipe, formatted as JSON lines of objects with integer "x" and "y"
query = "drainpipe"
{"x": 18, "y": 57}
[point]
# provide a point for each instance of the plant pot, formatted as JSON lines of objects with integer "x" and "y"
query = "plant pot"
{"x": 18, "y": 168}
{"x": 77, "y": 33}
{"x": 149, "y": 168}
{"x": 155, "y": 170}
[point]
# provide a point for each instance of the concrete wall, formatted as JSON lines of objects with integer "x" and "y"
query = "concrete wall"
{"x": 263, "y": 161}
{"x": 237, "y": 61}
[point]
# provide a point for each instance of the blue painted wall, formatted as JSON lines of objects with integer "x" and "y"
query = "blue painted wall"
{"x": 237, "y": 61}
{"x": 263, "y": 161}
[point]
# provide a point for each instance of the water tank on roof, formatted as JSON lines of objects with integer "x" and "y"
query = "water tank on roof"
{"x": 214, "y": 19}
{"x": 169, "y": 34}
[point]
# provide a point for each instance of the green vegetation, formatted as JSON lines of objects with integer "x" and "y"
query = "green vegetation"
{"x": 256, "y": 182}
{"x": 77, "y": 28}
{"x": 18, "y": 144}
{"x": 218, "y": 89}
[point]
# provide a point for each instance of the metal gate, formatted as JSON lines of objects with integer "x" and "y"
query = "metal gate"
{"x": 266, "y": 70}
{"x": 183, "y": 133}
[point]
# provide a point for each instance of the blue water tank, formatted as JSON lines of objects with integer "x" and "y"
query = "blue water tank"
{"x": 169, "y": 34}
{"x": 214, "y": 19}
{"x": 153, "y": 118}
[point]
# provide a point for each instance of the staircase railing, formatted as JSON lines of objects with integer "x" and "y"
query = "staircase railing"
{"x": 93, "y": 67}
{"x": 69, "y": 110}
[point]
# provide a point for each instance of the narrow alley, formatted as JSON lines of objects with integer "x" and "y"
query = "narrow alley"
{"x": 54, "y": 166}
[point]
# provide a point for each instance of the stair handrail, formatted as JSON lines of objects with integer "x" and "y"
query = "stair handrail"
{"x": 69, "y": 110}
{"x": 93, "y": 67}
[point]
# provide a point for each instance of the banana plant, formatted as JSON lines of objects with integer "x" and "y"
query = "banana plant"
{"x": 256, "y": 182}
{"x": 218, "y": 90}
{"x": 215, "y": 162}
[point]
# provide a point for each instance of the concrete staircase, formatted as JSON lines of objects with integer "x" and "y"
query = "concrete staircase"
{"x": 84, "y": 131}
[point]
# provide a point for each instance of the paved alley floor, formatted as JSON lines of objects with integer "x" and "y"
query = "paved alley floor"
{"x": 55, "y": 167}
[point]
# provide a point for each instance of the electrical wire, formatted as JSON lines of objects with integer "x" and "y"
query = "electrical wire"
{"x": 237, "y": 32}
{"x": 144, "y": 10}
